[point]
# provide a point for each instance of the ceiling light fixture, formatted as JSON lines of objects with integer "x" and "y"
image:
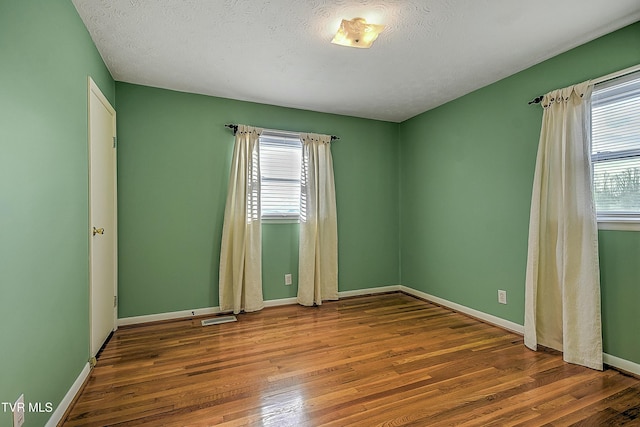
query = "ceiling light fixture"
{"x": 357, "y": 33}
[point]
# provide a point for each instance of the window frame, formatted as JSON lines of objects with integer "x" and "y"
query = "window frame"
{"x": 287, "y": 139}
{"x": 606, "y": 220}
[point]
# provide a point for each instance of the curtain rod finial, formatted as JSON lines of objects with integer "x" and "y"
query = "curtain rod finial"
{"x": 536, "y": 100}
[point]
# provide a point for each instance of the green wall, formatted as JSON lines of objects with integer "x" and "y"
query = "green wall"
{"x": 46, "y": 55}
{"x": 619, "y": 273}
{"x": 466, "y": 174}
{"x": 174, "y": 155}
{"x": 448, "y": 190}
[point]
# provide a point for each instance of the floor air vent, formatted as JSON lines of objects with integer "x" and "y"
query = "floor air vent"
{"x": 218, "y": 320}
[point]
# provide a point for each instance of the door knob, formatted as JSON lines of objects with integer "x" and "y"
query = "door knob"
{"x": 98, "y": 231}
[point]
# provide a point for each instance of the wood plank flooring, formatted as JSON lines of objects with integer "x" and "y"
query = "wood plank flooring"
{"x": 383, "y": 360}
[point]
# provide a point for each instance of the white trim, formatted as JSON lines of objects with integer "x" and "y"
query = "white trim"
{"x": 369, "y": 291}
{"x": 616, "y": 74}
{"x": 620, "y": 225}
{"x": 622, "y": 364}
{"x": 610, "y": 360}
{"x": 343, "y": 294}
{"x": 279, "y": 302}
{"x": 56, "y": 417}
{"x": 168, "y": 316}
{"x": 282, "y": 220}
{"x": 66, "y": 402}
{"x": 494, "y": 320}
{"x": 616, "y": 362}
{"x": 135, "y": 320}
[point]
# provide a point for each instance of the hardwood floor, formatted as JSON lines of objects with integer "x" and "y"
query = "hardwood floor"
{"x": 387, "y": 360}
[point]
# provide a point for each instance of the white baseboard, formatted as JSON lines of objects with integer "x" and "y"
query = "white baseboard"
{"x": 167, "y": 316}
{"x": 616, "y": 362}
{"x": 279, "y": 302}
{"x": 369, "y": 291}
{"x": 494, "y": 320}
{"x": 343, "y": 294}
{"x": 610, "y": 360}
{"x": 135, "y": 320}
{"x": 57, "y": 415}
{"x": 622, "y": 364}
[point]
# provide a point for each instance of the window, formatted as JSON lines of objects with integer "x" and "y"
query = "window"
{"x": 615, "y": 148}
{"x": 280, "y": 159}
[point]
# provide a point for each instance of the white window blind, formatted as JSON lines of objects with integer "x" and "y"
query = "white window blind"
{"x": 615, "y": 147}
{"x": 280, "y": 159}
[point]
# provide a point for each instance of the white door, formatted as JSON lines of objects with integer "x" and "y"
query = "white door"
{"x": 102, "y": 217}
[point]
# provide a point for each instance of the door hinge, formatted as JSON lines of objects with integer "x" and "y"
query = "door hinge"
{"x": 115, "y": 141}
{"x": 115, "y": 301}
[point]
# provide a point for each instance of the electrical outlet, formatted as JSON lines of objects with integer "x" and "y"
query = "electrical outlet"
{"x": 502, "y": 296}
{"x": 18, "y": 412}
{"x": 287, "y": 279}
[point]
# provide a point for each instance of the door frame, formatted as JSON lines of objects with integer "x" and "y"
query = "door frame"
{"x": 93, "y": 89}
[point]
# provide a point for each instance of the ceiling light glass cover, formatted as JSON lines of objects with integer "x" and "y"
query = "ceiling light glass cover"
{"x": 357, "y": 33}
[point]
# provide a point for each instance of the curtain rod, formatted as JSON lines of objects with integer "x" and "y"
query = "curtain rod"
{"x": 235, "y": 129}
{"x": 598, "y": 80}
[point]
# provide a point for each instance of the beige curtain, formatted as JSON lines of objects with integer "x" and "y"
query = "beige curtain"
{"x": 318, "y": 269}
{"x": 240, "y": 283}
{"x": 562, "y": 294}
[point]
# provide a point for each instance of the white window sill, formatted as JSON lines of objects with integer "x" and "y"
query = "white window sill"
{"x": 619, "y": 224}
{"x": 280, "y": 220}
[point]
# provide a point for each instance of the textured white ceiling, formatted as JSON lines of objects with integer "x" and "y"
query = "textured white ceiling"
{"x": 279, "y": 52}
